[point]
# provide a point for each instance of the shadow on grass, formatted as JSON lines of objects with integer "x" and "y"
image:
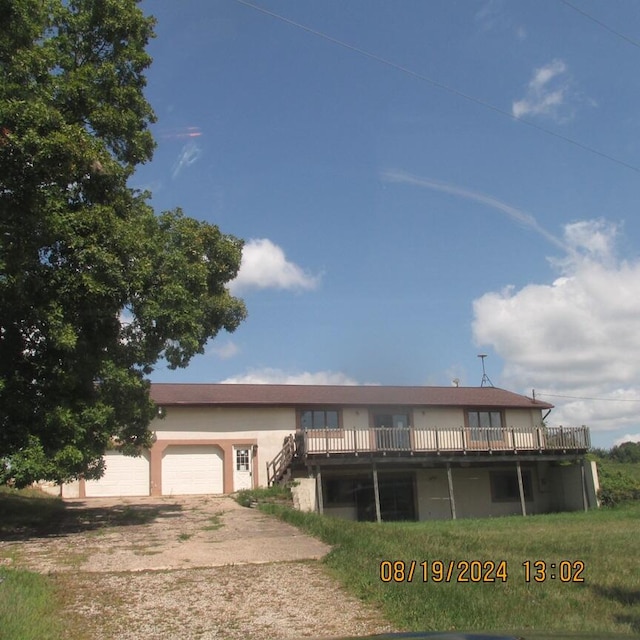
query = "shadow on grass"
{"x": 622, "y": 595}
{"x": 26, "y": 517}
{"x": 627, "y": 598}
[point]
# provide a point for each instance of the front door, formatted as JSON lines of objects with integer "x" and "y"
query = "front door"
{"x": 392, "y": 431}
{"x": 242, "y": 468}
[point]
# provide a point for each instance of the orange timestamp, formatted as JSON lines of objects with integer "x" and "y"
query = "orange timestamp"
{"x": 443, "y": 571}
{"x": 479, "y": 571}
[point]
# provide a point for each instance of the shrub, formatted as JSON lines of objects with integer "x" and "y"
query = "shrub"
{"x": 274, "y": 494}
{"x": 616, "y": 485}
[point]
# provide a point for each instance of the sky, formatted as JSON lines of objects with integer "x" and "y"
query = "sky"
{"x": 416, "y": 183}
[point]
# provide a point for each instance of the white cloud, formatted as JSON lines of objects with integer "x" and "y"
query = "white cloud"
{"x": 224, "y": 351}
{"x": 630, "y": 437}
{"x": 547, "y": 93}
{"x": 278, "y": 376}
{"x": 189, "y": 154}
{"x": 265, "y": 266}
{"x": 493, "y": 16}
{"x": 577, "y": 336}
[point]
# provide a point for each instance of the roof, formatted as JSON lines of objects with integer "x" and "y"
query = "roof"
{"x": 333, "y": 395}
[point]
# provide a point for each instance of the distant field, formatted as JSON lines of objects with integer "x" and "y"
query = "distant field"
{"x": 603, "y": 541}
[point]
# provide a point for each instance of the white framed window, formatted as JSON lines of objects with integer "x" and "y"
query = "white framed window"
{"x": 242, "y": 459}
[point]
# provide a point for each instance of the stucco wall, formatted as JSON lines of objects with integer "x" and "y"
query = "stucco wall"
{"x": 268, "y": 426}
{"x": 438, "y": 418}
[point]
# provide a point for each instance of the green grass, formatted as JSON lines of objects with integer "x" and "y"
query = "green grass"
{"x": 27, "y": 510}
{"x": 275, "y": 493}
{"x": 630, "y": 469}
{"x": 215, "y": 522}
{"x": 606, "y": 541}
{"x": 29, "y": 607}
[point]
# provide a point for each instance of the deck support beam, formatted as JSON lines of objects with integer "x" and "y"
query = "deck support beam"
{"x": 319, "y": 490}
{"x": 523, "y": 506}
{"x": 452, "y": 501}
{"x": 585, "y": 500}
{"x": 376, "y": 492}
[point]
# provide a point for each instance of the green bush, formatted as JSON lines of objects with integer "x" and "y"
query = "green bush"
{"x": 274, "y": 494}
{"x": 617, "y": 485}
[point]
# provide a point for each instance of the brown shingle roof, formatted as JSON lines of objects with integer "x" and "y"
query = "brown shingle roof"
{"x": 332, "y": 395}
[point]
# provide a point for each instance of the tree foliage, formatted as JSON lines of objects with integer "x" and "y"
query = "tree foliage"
{"x": 94, "y": 286}
{"x": 626, "y": 452}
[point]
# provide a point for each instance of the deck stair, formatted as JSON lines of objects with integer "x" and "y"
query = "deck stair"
{"x": 278, "y": 470}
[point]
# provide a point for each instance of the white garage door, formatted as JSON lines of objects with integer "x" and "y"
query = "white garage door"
{"x": 191, "y": 469}
{"x": 123, "y": 476}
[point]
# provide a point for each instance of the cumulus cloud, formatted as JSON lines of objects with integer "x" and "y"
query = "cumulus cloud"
{"x": 577, "y": 337}
{"x": 547, "y": 93}
{"x": 278, "y": 376}
{"x": 629, "y": 437}
{"x": 265, "y": 266}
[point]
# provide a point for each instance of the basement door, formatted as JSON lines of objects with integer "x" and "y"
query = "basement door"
{"x": 242, "y": 465}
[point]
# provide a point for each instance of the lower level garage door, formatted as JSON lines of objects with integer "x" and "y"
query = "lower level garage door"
{"x": 191, "y": 469}
{"x": 123, "y": 476}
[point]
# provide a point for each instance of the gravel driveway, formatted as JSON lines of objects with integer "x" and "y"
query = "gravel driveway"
{"x": 194, "y": 567}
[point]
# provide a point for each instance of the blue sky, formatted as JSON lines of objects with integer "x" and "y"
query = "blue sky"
{"x": 416, "y": 183}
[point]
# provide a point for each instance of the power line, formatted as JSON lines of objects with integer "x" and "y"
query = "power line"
{"x": 554, "y": 395}
{"x": 437, "y": 84}
{"x": 635, "y": 43}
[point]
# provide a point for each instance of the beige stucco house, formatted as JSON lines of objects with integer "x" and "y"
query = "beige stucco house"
{"x": 359, "y": 452}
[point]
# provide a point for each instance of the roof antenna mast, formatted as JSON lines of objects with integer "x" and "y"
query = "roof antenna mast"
{"x": 486, "y": 380}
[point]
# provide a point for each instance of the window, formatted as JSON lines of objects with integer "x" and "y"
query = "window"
{"x": 504, "y": 486}
{"x": 480, "y": 421}
{"x": 242, "y": 459}
{"x": 319, "y": 419}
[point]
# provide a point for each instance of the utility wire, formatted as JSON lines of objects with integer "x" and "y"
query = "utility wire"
{"x": 438, "y": 85}
{"x": 635, "y": 43}
{"x": 553, "y": 395}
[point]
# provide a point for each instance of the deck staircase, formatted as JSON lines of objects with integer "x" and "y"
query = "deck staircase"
{"x": 279, "y": 469}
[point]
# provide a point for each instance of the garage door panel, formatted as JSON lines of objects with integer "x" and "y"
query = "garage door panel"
{"x": 192, "y": 469}
{"x": 123, "y": 476}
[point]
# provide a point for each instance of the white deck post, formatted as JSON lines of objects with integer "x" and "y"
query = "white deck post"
{"x": 452, "y": 501}
{"x": 319, "y": 491}
{"x": 376, "y": 493}
{"x": 521, "y": 488}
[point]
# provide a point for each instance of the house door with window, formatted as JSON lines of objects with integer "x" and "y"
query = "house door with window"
{"x": 392, "y": 431}
{"x": 242, "y": 460}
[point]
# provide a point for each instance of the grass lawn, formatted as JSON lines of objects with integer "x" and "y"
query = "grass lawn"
{"x": 29, "y": 602}
{"x": 29, "y": 607}
{"x": 605, "y": 541}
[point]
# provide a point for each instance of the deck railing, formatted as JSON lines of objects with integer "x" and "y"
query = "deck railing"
{"x": 277, "y": 468}
{"x": 458, "y": 440}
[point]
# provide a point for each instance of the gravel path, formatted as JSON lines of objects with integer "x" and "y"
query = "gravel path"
{"x": 195, "y": 567}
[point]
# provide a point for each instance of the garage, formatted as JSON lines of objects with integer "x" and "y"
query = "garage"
{"x": 191, "y": 469}
{"x": 123, "y": 476}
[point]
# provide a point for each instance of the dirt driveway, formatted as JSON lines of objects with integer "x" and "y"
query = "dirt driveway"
{"x": 193, "y": 567}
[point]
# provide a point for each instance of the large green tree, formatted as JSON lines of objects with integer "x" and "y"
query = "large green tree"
{"x": 94, "y": 286}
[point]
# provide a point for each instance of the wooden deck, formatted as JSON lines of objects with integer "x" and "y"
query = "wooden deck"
{"x": 325, "y": 442}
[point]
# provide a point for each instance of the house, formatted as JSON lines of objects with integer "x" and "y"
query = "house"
{"x": 360, "y": 452}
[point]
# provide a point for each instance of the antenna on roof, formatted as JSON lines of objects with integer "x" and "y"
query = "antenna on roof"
{"x": 486, "y": 381}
